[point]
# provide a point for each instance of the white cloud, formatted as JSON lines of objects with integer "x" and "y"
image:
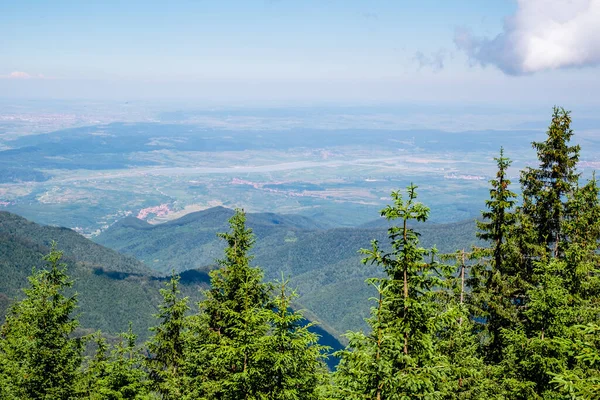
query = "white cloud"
{"x": 542, "y": 35}
{"x": 24, "y": 75}
{"x": 19, "y": 75}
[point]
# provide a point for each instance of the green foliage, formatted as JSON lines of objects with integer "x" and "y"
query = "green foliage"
{"x": 166, "y": 347}
{"x": 95, "y": 368}
{"x": 291, "y": 353}
{"x": 495, "y": 277}
{"x": 398, "y": 358}
{"x": 119, "y": 376}
{"x": 114, "y": 293}
{"x": 40, "y": 356}
{"x": 499, "y": 218}
{"x": 224, "y": 351}
{"x": 518, "y": 319}
{"x": 323, "y": 264}
{"x": 556, "y": 239}
{"x": 546, "y": 187}
{"x": 582, "y": 380}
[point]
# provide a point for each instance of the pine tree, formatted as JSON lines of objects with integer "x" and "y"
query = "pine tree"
{"x": 494, "y": 280}
{"x": 166, "y": 347}
{"x": 582, "y": 379}
{"x": 291, "y": 353}
{"x": 366, "y": 369}
{"x": 557, "y": 236}
{"x": 545, "y": 188}
{"x": 467, "y": 376}
{"x": 554, "y": 348}
{"x": 397, "y": 359}
{"x": 95, "y": 369}
{"x": 41, "y": 357}
{"x": 226, "y": 336}
{"x": 121, "y": 375}
{"x": 458, "y": 337}
{"x": 582, "y": 236}
{"x": 499, "y": 217}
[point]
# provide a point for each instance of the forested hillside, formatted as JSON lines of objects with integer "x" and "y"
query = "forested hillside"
{"x": 323, "y": 264}
{"x": 117, "y": 288}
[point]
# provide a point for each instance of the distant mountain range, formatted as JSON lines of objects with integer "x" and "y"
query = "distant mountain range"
{"x": 323, "y": 264}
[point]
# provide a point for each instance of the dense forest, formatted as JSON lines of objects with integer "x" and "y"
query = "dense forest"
{"x": 516, "y": 318}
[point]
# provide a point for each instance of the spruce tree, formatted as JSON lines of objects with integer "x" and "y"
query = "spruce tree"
{"x": 582, "y": 236}
{"x": 94, "y": 370}
{"x": 120, "y": 376}
{"x": 40, "y": 355}
{"x": 458, "y": 338}
{"x": 457, "y": 346}
{"x": 398, "y": 359}
{"x": 545, "y": 188}
{"x": 494, "y": 279}
{"x": 366, "y": 370}
{"x": 166, "y": 347}
{"x": 553, "y": 352}
{"x": 499, "y": 217}
{"x": 291, "y": 354}
{"x": 582, "y": 379}
{"x": 557, "y": 235}
{"x": 221, "y": 352}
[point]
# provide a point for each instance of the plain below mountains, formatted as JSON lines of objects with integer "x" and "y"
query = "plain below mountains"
{"x": 323, "y": 264}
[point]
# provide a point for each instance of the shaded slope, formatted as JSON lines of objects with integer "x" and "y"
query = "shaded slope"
{"x": 71, "y": 243}
{"x": 113, "y": 289}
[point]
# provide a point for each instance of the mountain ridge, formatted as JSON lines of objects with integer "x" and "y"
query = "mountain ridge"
{"x": 323, "y": 264}
{"x": 109, "y": 297}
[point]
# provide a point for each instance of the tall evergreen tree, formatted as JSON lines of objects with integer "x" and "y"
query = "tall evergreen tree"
{"x": 554, "y": 346}
{"x": 545, "y": 188}
{"x": 221, "y": 359}
{"x": 582, "y": 379}
{"x": 291, "y": 353}
{"x": 41, "y": 357}
{"x": 582, "y": 236}
{"x": 397, "y": 359}
{"x": 366, "y": 370}
{"x": 94, "y": 370}
{"x": 558, "y": 232}
{"x": 499, "y": 217}
{"x": 166, "y": 347}
{"x": 494, "y": 280}
{"x": 120, "y": 376}
{"x": 467, "y": 376}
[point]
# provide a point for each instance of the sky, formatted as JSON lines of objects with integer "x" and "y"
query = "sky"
{"x": 304, "y": 51}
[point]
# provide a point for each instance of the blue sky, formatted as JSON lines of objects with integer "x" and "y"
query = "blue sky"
{"x": 299, "y": 51}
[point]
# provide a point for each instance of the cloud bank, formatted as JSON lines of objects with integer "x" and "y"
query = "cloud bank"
{"x": 542, "y": 35}
{"x": 19, "y": 75}
{"x": 22, "y": 75}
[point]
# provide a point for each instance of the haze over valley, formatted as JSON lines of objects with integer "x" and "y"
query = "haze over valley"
{"x": 87, "y": 178}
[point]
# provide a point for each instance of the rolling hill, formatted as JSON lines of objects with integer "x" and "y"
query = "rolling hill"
{"x": 113, "y": 289}
{"x": 323, "y": 264}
